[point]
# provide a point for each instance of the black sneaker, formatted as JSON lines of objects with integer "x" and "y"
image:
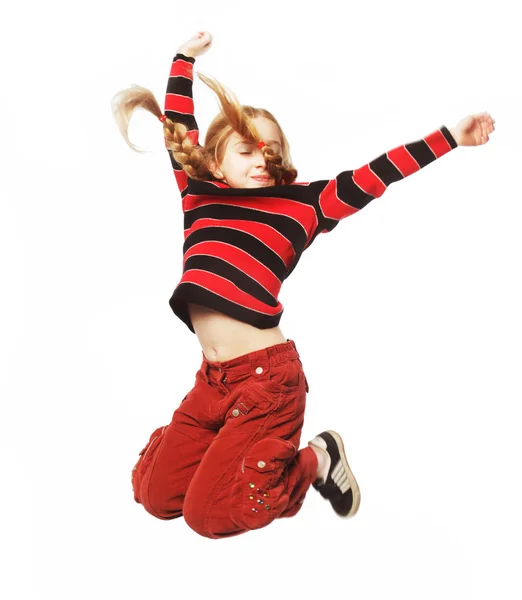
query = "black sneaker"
{"x": 340, "y": 486}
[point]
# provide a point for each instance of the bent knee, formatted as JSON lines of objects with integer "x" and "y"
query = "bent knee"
{"x": 163, "y": 505}
{"x": 197, "y": 511}
{"x": 214, "y": 523}
{"x": 256, "y": 495}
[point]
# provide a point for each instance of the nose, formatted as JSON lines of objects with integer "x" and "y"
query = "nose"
{"x": 260, "y": 159}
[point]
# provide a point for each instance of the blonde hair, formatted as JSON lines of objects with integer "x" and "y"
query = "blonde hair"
{"x": 195, "y": 159}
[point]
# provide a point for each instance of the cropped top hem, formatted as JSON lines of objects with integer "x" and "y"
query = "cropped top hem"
{"x": 188, "y": 293}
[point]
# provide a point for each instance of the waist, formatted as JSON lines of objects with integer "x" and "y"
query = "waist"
{"x": 223, "y": 338}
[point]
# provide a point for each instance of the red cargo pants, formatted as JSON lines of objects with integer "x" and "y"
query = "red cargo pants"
{"x": 229, "y": 460}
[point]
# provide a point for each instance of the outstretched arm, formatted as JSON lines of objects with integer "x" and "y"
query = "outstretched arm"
{"x": 352, "y": 190}
{"x": 179, "y": 103}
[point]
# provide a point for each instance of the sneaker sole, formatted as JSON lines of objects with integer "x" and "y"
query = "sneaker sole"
{"x": 354, "y": 486}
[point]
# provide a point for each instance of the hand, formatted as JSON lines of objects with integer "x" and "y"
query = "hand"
{"x": 474, "y": 130}
{"x": 197, "y": 45}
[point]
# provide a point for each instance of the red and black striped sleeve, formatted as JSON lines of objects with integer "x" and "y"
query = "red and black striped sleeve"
{"x": 352, "y": 190}
{"x": 179, "y": 106}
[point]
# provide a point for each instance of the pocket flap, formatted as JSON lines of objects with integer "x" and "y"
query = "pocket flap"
{"x": 267, "y": 454}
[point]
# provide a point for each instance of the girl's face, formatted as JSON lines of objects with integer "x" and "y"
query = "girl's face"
{"x": 243, "y": 165}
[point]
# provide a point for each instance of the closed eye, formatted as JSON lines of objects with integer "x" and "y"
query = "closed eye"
{"x": 245, "y": 153}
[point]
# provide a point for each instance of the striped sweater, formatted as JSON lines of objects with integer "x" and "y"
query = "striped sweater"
{"x": 241, "y": 244}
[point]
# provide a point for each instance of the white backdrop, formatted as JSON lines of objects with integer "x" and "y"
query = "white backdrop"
{"x": 413, "y": 355}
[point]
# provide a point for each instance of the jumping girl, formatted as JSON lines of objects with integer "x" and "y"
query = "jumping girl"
{"x": 229, "y": 460}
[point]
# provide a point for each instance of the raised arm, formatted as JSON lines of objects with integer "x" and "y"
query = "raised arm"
{"x": 179, "y": 103}
{"x": 179, "y": 106}
{"x": 352, "y": 190}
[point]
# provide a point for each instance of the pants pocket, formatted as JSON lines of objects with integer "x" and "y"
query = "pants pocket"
{"x": 260, "y": 491}
{"x": 252, "y": 402}
{"x": 287, "y": 376}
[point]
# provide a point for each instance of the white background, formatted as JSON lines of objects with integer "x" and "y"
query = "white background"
{"x": 406, "y": 316}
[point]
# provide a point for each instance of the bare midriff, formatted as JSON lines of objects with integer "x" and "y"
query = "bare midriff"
{"x": 223, "y": 338}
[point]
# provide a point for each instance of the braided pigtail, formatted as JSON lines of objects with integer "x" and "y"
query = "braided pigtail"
{"x": 190, "y": 156}
{"x": 277, "y": 168}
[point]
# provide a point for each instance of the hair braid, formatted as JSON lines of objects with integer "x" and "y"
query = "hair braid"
{"x": 190, "y": 156}
{"x": 277, "y": 169}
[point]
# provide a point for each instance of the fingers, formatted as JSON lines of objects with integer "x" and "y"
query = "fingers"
{"x": 203, "y": 35}
{"x": 486, "y": 118}
{"x": 484, "y": 132}
{"x": 487, "y": 125}
{"x": 491, "y": 124}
